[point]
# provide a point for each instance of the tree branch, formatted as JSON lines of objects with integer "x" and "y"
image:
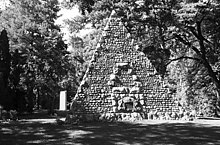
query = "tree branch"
{"x": 188, "y": 44}
{"x": 201, "y": 42}
{"x": 182, "y": 57}
{"x": 192, "y": 30}
{"x": 198, "y": 34}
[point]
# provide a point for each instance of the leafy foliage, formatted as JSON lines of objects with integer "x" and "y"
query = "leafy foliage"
{"x": 40, "y": 61}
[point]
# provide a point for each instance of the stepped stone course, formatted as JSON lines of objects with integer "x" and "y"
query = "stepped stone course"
{"x": 121, "y": 82}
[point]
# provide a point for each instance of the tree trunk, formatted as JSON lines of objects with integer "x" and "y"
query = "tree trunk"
{"x": 38, "y": 99}
{"x": 207, "y": 65}
{"x": 51, "y": 105}
{"x": 30, "y": 98}
{"x": 2, "y": 89}
{"x": 216, "y": 81}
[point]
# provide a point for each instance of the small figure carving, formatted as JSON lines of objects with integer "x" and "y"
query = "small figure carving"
{"x": 138, "y": 47}
{"x": 114, "y": 102}
{"x": 135, "y": 78}
{"x": 134, "y": 90}
{"x": 120, "y": 90}
{"x": 116, "y": 71}
{"x": 113, "y": 77}
{"x": 111, "y": 83}
{"x": 122, "y": 65}
{"x": 130, "y": 71}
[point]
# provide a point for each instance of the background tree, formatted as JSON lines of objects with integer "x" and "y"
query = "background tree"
{"x": 5, "y": 59}
{"x": 41, "y": 62}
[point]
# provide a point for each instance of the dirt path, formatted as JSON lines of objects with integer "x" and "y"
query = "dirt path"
{"x": 147, "y": 132}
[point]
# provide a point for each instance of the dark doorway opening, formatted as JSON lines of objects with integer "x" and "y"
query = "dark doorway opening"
{"x": 129, "y": 106}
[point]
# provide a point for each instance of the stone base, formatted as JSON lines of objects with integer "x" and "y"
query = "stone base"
{"x": 108, "y": 117}
{"x": 122, "y": 117}
{"x": 128, "y": 116}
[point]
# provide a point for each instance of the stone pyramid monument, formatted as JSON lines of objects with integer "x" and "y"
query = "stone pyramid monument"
{"x": 121, "y": 83}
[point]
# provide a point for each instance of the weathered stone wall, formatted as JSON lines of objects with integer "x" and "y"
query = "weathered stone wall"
{"x": 121, "y": 79}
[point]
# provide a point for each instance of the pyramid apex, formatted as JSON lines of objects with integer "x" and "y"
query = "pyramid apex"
{"x": 113, "y": 13}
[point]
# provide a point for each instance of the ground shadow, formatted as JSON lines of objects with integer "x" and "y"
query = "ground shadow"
{"x": 150, "y": 134}
{"x": 42, "y": 114}
{"x": 109, "y": 133}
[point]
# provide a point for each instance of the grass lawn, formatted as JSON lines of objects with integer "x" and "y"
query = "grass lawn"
{"x": 146, "y": 132}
